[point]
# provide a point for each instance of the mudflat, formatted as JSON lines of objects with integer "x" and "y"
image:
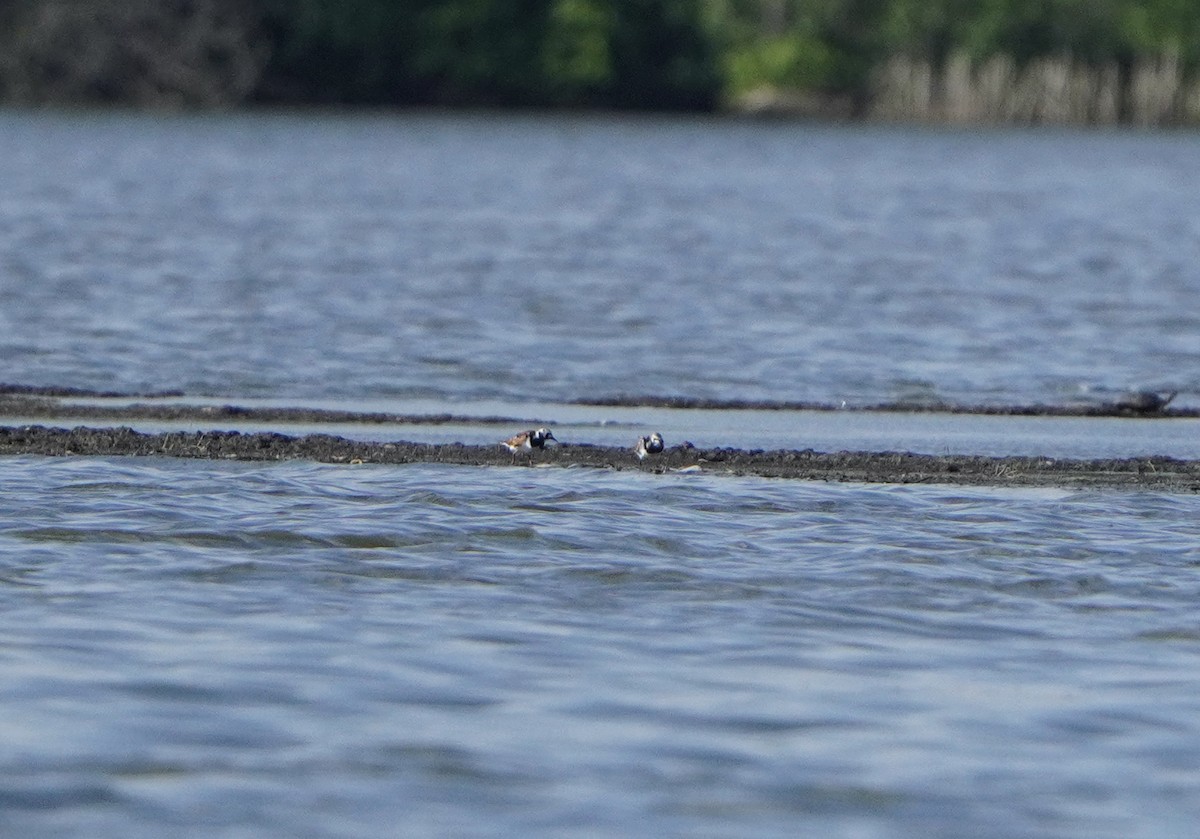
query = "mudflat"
{"x": 1160, "y": 473}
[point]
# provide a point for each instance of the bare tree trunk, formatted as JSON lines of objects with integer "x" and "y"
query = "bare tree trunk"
{"x": 1050, "y": 90}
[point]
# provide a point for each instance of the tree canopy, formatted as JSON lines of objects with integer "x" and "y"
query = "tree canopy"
{"x": 652, "y": 54}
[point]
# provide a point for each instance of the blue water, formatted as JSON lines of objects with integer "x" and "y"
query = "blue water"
{"x": 469, "y": 257}
{"x": 283, "y": 650}
{"x": 306, "y": 650}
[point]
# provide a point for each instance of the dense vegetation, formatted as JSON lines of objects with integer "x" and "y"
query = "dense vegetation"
{"x": 662, "y": 54}
{"x": 503, "y": 52}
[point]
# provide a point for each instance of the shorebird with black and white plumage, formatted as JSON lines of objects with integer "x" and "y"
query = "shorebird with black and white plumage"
{"x": 652, "y": 444}
{"x": 527, "y": 441}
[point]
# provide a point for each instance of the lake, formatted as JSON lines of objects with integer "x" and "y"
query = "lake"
{"x": 281, "y": 650}
{"x": 473, "y": 257}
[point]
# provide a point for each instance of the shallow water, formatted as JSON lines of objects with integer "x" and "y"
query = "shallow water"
{"x": 229, "y": 650}
{"x": 825, "y": 431}
{"x": 543, "y": 258}
{"x": 233, "y": 649}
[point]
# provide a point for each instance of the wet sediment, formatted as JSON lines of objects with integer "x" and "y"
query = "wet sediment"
{"x": 1135, "y": 404}
{"x": 1162, "y": 473}
{"x": 54, "y": 403}
{"x": 52, "y": 407}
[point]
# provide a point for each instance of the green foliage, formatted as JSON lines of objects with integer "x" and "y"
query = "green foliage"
{"x": 783, "y": 61}
{"x": 823, "y": 45}
{"x": 832, "y": 45}
{"x": 1167, "y": 24}
{"x": 1097, "y": 31}
{"x": 484, "y": 51}
{"x": 577, "y": 54}
{"x": 341, "y": 51}
{"x": 1027, "y": 29}
{"x": 618, "y": 53}
{"x": 662, "y": 56}
{"x": 586, "y": 53}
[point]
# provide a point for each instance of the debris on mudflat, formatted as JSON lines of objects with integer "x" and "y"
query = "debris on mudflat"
{"x": 1144, "y": 401}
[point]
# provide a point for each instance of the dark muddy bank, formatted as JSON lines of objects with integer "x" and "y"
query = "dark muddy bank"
{"x": 54, "y": 403}
{"x": 52, "y": 407}
{"x": 883, "y": 467}
{"x": 1136, "y": 404}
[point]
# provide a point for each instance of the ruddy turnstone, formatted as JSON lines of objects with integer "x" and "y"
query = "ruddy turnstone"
{"x": 648, "y": 445}
{"x": 527, "y": 441}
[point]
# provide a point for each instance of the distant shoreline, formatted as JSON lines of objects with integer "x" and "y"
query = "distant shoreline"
{"x": 29, "y": 402}
{"x": 1159, "y": 473}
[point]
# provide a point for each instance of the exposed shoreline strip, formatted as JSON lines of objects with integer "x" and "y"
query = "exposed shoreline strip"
{"x": 51, "y": 408}
{"x": 1147, "y": 405}
{"x": 1159, "y": 473}
{"x": 57, "y": 406}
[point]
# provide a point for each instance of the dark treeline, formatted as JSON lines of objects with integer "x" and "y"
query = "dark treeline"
{"x": 654, "y": 54}
{"x": 1024, "y": 60}
{"x": 610, "y": 53}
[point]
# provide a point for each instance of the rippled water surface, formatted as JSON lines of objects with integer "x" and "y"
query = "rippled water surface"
{"x": 284, "y": 650}
{"x": 467, "y": 257}
{"x": 306, "y": 650}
